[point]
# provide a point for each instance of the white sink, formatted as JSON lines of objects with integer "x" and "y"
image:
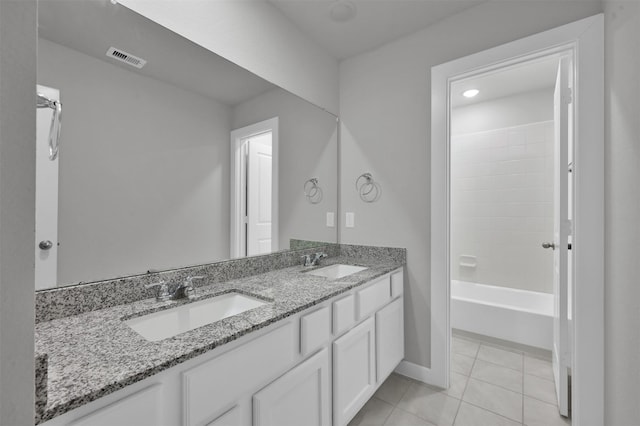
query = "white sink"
{"x": 171, "y": 322}
{"x": 336, "y": 271}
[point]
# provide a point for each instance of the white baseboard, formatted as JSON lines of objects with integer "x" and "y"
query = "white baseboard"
{"x": 416, "y": 372}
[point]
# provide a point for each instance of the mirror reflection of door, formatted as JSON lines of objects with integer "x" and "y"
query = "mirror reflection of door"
{"x": 258, "y": 166}
{"x": 46, "y": 235}
{"x": 254, "y": 189}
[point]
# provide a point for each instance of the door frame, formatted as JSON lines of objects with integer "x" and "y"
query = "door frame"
{"x": 584, "y": 39}
{"x": 236, "y": 174}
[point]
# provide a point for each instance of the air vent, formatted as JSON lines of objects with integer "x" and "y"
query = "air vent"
{"x": 125, "y": 57}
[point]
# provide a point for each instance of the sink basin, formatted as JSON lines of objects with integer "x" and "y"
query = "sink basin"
{"x": 336, "y": 271}
{"x": 171, "y": 322}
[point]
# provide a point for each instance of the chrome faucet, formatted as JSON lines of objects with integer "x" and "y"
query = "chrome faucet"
{"x": 312, "y": 259}
{"x": 184, "y": 290}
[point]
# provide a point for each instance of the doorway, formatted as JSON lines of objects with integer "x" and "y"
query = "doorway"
{"x": 579, "y": 46}
{"x": 510, "y": 152}
{"x": 254, "y": 213}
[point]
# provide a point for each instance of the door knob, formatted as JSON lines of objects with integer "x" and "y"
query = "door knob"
{"x": 45, "y": 245}
{"x": 552, "y": 246}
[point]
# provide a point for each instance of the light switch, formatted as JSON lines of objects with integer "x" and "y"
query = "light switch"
{"x": 330, "y": 221}
{"x": 350, "y": 220}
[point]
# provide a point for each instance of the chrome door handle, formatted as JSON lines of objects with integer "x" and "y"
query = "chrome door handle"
{"x": 552, "y": 246}
{"x": 45, "y": 245}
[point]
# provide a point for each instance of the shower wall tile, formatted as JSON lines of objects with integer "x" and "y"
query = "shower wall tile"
{"x": 502, "y": 205}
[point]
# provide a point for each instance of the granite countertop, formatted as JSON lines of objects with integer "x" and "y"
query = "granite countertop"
{"x": 95, "y": 353}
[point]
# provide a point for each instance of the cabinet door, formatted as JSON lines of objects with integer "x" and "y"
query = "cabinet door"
{"x": 300, "y": 397}
{"x": 389, "y": 338}
{"x": 353, "y": 371}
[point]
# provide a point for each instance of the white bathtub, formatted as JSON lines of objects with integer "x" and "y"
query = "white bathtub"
{"x": 519, "y": 316}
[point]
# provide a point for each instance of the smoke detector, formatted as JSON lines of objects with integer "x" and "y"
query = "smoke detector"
{"x": 125, "y": 57}
{"x": 342, "y": 10}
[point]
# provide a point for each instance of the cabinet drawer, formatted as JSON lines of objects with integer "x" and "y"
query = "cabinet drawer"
{"x": 142, "y": 408}
{"x": 397, "y": 283}
{"x": 215, "y": 385}
{"x": 344, "y": 314}
{"x": 315, "y": 330}
{"x": 373, "y": 297}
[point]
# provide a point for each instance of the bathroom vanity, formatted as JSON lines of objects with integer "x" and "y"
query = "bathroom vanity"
{"x": 313, "y": 353}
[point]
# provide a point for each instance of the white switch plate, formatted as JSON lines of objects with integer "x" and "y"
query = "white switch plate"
{"x": 330, "y": 220}
{"x": 350, "y": 220}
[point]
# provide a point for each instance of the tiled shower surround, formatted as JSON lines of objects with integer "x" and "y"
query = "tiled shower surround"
{"x": 502, "y": 206}
{"x": 73, "y": 300}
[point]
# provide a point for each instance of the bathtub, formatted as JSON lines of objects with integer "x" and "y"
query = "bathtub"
{"x": 519, "y": 316}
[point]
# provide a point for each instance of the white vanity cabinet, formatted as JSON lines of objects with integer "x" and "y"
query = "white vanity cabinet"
{"x": 318, "y": 367}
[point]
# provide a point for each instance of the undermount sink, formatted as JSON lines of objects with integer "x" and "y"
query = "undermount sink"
{"x": 171, "y": 322}
{"x": 336, "y": 271}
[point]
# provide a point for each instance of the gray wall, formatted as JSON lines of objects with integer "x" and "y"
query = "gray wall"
{"x": 307, "y": 148}
{"x": 17, "y": 209}
{"x": 622, "y": 212}
{"x": 385, "y": 110}
{"x": 144, "y": 175}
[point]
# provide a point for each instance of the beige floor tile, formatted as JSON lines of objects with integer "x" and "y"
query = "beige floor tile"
{"x": 400, "y": 417}
{"x": 538, "y": 388}
{"x": 393, "y": 389}
{"x": 501, "y": 357}
{"x": 457, "y": 383}
{"x": 464, "y": 347}
{"x": 429, "y": 404}
{"x": 470, "y": 415}
{"x": 497, "y": 375}
{"x": 374, "y": 413}
{"x": 538, "y": 413}
{"x": 494, "y": 398}
{"x": 538, "y": 367}
{"x": 461, "y": 364}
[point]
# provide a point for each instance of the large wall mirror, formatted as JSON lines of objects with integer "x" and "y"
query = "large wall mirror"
{"x": 169, "y": 155}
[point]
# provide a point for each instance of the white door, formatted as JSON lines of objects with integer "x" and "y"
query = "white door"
{"x": 46, "y": 236}
{"x": 259, "y": 172}
{"x": 562, "y": 226}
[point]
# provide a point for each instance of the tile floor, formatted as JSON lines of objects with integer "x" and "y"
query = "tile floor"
{"x": 490, "y": 386}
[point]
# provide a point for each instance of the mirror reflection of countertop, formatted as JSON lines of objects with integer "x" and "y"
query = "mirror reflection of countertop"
{"x": 95, "y": 353}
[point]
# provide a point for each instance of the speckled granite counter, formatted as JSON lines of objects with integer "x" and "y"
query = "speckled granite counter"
{"x": 95, "y": 353}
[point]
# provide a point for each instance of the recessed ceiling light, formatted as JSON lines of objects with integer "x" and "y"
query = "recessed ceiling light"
{"x": 470, "y": 93}
{"x": 342, "y": 10}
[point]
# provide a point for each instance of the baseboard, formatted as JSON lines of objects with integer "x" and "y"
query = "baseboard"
{"x": 416, "y": 372}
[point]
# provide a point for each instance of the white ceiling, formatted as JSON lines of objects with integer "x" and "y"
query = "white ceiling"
{"x": 376, "y": 22}
{"x": 92, "y": 26}
{"x": 528, "y": 77}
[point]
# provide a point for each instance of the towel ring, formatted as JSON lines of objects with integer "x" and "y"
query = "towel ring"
{"x": 369, "y": 190}
{"x": 312, "y": 191}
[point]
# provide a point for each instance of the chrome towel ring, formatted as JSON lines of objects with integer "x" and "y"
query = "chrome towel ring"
{"x": 368, "y": 189}
{"x": 312, "y": 191}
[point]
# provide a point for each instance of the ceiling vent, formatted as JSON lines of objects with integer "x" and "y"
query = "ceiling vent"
{"x": 125, "y": 57}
